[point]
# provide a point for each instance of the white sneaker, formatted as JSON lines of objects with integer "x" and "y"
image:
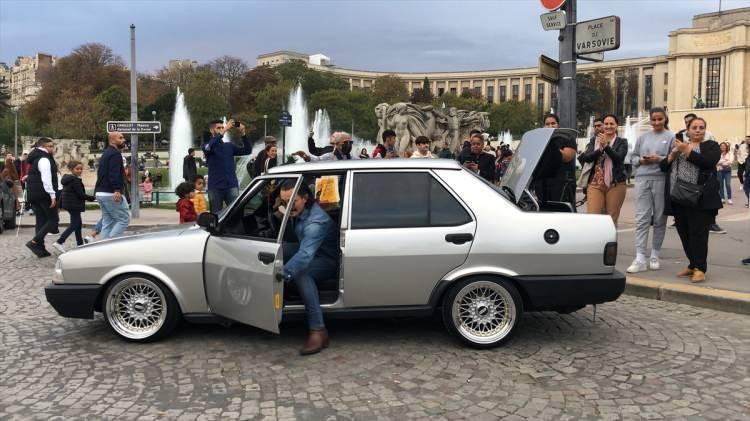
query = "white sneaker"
{"x": 88, "y": 239}
{"x": 730, "y": 201}
{"x": 59, "y": 247}
{"x": 637, "y": 266}
{"x": 653, "y": 263}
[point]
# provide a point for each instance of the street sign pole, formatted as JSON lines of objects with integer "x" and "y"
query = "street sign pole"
{"x": 567, "y": 85}
{"x": 134, "y": 205}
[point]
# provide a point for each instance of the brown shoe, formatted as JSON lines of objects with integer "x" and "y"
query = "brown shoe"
{"x": 698, "y": 276}
{"x": 687, "y": 272}
{"x": 316, "y": 341}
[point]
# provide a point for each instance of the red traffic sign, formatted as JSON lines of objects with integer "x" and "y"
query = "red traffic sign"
{"x": 552, "y": 4}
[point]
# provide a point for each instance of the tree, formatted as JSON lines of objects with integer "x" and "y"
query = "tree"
{"x": 422, "y": 95}
{"x": 312, "y": 81}
{"x": 346, "y": 108}
{"x": 229, "y": 70}
{"x": 203, "y": 100}
{"x": 116, "y": 102}
{"x": 77, "y": 116}
{"x": 4, "y": 101}
{"x": 594, "y": 96}
{"x": 176, "y": 76}
{"x": 251, "y": 84}
{"x": 518, "y": 117}
{"x": 390, "y": 89}
{"x": 462, "y": 103}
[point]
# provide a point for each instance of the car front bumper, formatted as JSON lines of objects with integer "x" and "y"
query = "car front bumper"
{"x": 73, "y": 300}
{"x": 569, "y": 291}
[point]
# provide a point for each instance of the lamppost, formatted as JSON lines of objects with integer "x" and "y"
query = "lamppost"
{"x": 15, "y": 148}
{"x": 153, "y": 114}
{"x": 265, "y": 120}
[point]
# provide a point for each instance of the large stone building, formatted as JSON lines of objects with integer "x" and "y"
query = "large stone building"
{"x": 705, "y": 71}
{"x": 25, "y": 77}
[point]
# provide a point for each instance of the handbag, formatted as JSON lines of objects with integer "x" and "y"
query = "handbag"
{"x": 583, "y": 180}
{"x": 685, "y": 193}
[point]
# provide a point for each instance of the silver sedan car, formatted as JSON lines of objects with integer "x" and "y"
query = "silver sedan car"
{"x": 417, "y": 236}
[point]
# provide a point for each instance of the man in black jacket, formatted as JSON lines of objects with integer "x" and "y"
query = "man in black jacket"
{"x": 41, "y": 186}
{"x": 189, "y": 169}
{"x": 313, "y": 148}
{"x": 110, "y": 185}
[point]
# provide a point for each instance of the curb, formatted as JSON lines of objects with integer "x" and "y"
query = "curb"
{"x": 706, "y": 297}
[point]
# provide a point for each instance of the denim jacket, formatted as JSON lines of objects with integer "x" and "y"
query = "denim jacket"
{"x": 317, "y": 233}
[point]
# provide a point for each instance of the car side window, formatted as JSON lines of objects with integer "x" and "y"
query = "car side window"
{"x": 403, "y": 200}
{"x": 257, "y": 216}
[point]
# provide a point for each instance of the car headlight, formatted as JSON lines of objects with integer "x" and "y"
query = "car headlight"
{"x": 58, "y": 277}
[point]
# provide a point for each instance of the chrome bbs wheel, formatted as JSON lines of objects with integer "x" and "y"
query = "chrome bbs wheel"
{"x": 136, "y": 308}
{"x": 483, "y": 313}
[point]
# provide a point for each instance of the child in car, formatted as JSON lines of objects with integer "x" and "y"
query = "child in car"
{"x": 185, "y": 191}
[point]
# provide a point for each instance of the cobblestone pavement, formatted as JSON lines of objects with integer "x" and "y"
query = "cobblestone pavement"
{"x": 640, "y": 359}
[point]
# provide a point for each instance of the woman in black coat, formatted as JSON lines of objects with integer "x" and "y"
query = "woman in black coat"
{"x": 73, "y": 200}
{"x": 694, "y": 161}
{"x": 606, "y": 189}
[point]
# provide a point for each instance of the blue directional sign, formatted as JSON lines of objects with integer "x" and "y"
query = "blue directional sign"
{"x": 285, "y": 119}
{"x": 136, "y": 127}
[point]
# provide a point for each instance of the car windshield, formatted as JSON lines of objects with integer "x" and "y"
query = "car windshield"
{"x": 505, "y": 192}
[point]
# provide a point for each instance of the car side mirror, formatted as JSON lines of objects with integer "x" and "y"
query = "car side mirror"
{"x": 209, "y": 221}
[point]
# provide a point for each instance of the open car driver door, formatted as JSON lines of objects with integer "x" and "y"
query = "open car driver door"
{"x": 244, "y": 256}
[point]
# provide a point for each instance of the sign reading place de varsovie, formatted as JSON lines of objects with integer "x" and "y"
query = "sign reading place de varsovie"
{"x": 597, "y": 35}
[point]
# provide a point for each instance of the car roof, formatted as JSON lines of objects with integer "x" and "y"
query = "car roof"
{"x": 367, "y": 164}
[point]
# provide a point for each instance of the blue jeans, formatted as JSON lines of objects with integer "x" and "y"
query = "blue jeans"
{"x": 219, "y": 198}
{"x": 320, "y": 268}
{"x": 115, "y": 216}
{"x": 725, "y": 182}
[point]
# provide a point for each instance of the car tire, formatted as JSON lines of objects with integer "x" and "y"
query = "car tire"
{"x": 482, "y": 312}
{"x": 10, "y": 224}
{"x": 139, "y": 308}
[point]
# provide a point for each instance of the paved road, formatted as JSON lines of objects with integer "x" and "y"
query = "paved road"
{"x": 639, "y": 359}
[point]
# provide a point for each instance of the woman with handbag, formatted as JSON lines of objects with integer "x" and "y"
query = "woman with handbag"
{"x": 650, "y": 149}
{"x": 692, "y": 194}
{"x": 605, "y": 189}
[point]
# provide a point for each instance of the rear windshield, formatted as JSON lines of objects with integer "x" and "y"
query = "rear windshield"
{"x": 502, "y": 192}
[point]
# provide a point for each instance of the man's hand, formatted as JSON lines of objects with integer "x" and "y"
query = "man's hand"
{"x": 311, "y": 133}
{"x": 303, "y": 155}
{"x": 242, "y": 129}
{"x": 471, "y": 165}
{"x": 117, "y": 197}
{"x": 53, "y": 202}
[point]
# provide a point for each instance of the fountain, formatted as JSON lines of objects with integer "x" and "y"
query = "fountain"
{"x": 180, "y": 140}
{"x": 322, "y": 128}
{"x": 296, "y": 136}
{"x": 631, "y": 131}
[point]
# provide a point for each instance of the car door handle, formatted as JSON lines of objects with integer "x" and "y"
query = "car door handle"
{"x": 266, "y": 257}
{"x": 458, "y": 238}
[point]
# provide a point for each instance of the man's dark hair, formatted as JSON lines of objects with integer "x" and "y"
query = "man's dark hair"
{"x": 304, "y": 189}
{"x": 690, "y": 116}
{"x": 190, "y": 150}
{"x": 388, "y": 133}
{"x": 42, "y": 141}
{"x": 215, "y": 122}
{"x": 183, "y": 189}
{"x": 557, "y": 119}
{"x": 421, "y": 139}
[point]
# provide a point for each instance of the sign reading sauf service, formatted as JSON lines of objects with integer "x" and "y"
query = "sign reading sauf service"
{"x": 593, "y": 36}
{"x": 135, "y": 127}
{"x": 553, "y": 20}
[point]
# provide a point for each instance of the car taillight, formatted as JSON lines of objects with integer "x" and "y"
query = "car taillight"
{"x": 610, "y": 254}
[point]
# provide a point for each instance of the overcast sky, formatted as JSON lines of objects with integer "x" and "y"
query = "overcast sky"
{"x": 394, "y": 35}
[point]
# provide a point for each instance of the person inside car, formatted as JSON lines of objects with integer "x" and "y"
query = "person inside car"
{"x": 315, "y": 259}
{"x": 342, "y": 149}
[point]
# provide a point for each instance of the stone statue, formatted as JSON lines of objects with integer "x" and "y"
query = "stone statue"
{"x": 410, "y": 121}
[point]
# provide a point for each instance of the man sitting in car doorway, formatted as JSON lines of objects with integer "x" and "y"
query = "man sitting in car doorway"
{"x": 314, "y": 260}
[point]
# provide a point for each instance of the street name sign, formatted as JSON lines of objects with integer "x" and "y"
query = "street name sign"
{"x": 553, "y": 20}
{"x": 285, "y": 119}
{"x": 594, "y": 57}
{"x": 134, "y": 127}
{"x": 552, "y": 4}
{"x": 597, "y": 35}
{"x": 549, "y": 69}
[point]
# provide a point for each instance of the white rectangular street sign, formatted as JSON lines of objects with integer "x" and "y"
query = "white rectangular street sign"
{"x": 554, "y": 20}
{"x": 134, "y": 127}
{"x": 597, "y": 35}
{"x": 595, "y": 57}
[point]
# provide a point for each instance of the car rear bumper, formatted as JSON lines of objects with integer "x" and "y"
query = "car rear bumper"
{"x": 73, "y": 300}
{"x": 569, "y": 291}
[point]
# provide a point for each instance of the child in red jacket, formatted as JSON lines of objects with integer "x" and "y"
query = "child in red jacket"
{"x": 186, "y": 191}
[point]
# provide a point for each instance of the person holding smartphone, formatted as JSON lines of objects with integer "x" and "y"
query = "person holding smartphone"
{"x": 475, "y": 159}
{"x": 650, "y": 148}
